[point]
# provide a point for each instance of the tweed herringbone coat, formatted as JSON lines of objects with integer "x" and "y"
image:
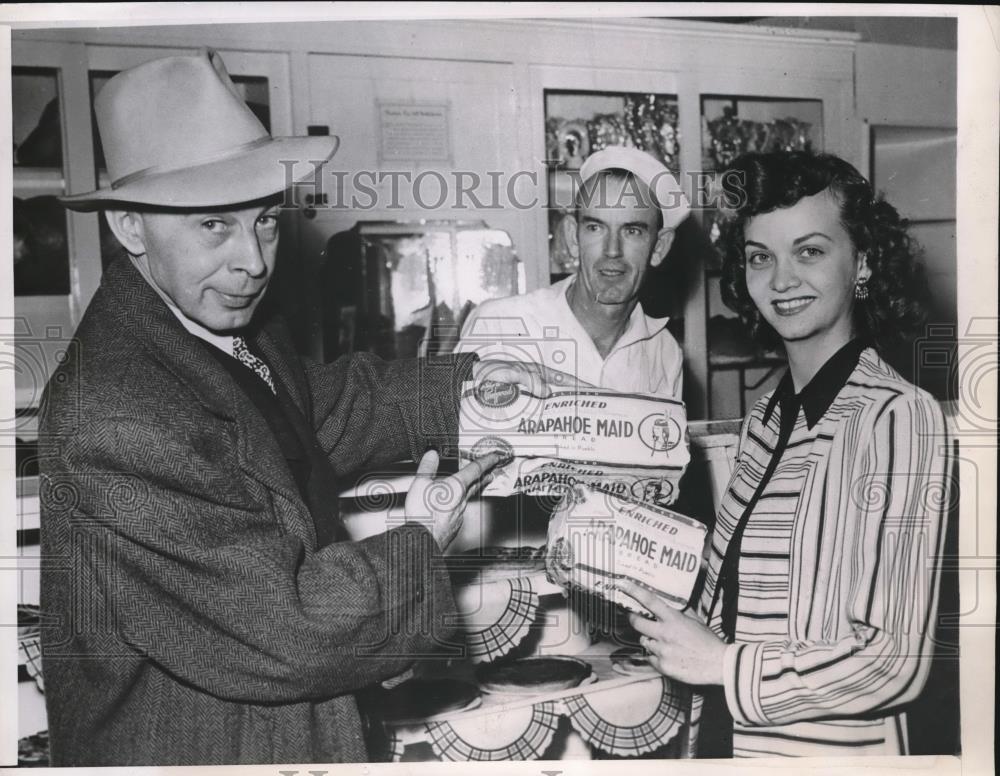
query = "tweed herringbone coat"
{"x": 188, "y": 616}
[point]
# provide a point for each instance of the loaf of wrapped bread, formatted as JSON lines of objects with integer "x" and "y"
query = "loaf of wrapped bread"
{"x": 631, "y": 444}
{"x": 596, "y": 539}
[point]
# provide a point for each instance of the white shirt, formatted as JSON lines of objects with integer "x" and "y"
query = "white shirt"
{"x": 540, "y": 326}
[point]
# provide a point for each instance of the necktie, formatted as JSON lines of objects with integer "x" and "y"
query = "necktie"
{"x": 242, "y": 354}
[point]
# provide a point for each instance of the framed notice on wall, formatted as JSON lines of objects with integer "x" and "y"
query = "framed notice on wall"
{"x": 415, "y": 131}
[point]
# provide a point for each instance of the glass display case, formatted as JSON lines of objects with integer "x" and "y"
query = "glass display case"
{"x": 405, "y": 289}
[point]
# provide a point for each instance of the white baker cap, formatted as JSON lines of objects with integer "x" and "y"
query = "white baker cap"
{"x": 668, "y": 192}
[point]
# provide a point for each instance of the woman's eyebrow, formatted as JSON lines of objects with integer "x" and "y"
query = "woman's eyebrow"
{"x": 748, "y": 243}
{"x": 809, "y": 236}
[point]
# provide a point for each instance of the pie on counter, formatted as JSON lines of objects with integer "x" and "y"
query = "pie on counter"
{"x": 496, "y": 563}
{"x": 632, "y": 661}
{"x": 424, "y": 698}
{"x": 532, "y": 675}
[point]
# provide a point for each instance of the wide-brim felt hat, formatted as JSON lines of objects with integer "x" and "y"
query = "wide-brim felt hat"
{"x": 176, "y": 133}
{"x": 666, "y": 190}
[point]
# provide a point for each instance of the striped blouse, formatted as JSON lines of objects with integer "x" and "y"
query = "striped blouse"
{"x": 838, "y": 573}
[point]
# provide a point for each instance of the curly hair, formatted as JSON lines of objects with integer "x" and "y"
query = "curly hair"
{"x": 758, "y": 183}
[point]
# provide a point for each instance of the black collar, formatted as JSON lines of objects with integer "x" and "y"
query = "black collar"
{"x": 816, "y": 398}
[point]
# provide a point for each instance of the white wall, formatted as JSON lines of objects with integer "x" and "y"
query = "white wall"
{"x": 906, "y": 85}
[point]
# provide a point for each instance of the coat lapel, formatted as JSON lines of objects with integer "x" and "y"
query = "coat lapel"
{"x": 274, "y": 345}
{"x": 145, "y": 316}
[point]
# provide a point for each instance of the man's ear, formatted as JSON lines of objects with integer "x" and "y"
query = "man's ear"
{"x": 568, "y": 226}
{"x": 127, "y": 227}
{"x": 664, "y": 239}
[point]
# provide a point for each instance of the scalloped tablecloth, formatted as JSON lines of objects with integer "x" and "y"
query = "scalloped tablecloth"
{"x": 625, "y": 716}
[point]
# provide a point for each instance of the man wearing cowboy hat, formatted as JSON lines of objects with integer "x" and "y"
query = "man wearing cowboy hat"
{"x": 202, "y": 604}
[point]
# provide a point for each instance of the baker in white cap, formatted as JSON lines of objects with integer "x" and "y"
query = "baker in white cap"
{"x": 591, "y": 324}
{"x": 202, "y": 603}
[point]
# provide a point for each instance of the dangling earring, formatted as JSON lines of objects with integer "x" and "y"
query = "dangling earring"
{"x": 861, "y": 290}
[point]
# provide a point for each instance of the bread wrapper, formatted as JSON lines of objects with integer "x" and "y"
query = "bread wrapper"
{"x": 597, "y": 539}
{"x": 631, "y": 444}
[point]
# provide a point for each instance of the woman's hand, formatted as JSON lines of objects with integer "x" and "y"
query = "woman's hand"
{"x": 679, "y": 645}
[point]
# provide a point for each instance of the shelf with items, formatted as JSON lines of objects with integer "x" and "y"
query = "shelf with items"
{"x": 487, "y": 703}
{"x": 712, "y": 118}
{"x": 736, "y": 124}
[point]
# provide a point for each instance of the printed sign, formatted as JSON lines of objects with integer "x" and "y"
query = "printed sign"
{"x": 414, "y": 131}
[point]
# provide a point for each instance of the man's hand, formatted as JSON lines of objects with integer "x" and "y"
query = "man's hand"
{"x": 440, "y": 503}
{"x": 679, "y": 645}
{"x": 538, "y": 379}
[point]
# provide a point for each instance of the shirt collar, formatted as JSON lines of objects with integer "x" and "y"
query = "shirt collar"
{"x": 816, "y": 398}
{"x": 222, "y": 342}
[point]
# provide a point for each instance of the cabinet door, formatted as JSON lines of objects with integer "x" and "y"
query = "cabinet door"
{"x": 53, "y": 249}
{"x": 914, "y": 168}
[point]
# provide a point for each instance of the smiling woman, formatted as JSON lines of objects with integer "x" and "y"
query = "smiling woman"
{"x": 830, "y": 207}
{"x": 818, "y": 605}
{"x": 802, "y": 272}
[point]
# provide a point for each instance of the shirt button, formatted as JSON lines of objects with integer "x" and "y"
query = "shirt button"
{"x": 419, "y": 595}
